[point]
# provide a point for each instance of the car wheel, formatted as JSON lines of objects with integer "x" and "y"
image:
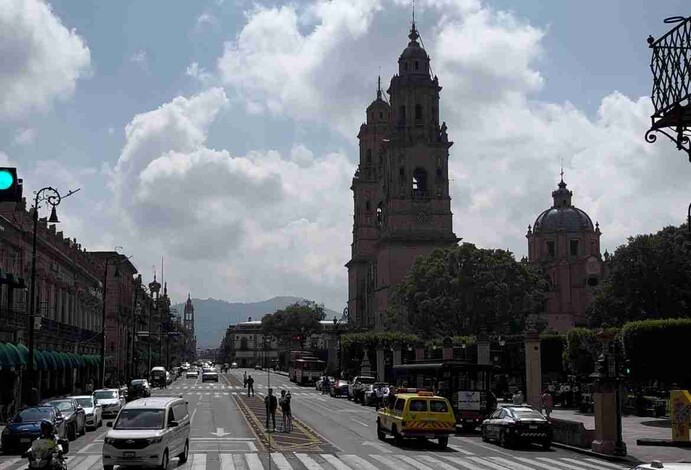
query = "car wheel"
{"x": 185, "y": 453}
{"x": 381, "y": 435}
{"x": 398, "y": 439}
{"x": 443, "y": 442}
{"x": 164, "y": 461}
{"x": 503, "y": 439}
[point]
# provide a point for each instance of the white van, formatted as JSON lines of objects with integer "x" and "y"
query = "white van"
{"x": 148, "y": 432}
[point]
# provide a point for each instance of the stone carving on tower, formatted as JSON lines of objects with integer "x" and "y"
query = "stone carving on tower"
{"x": 565, "y": 243}
{"x": 400, "y": 188}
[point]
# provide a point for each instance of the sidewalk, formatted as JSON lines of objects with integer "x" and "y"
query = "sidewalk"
{"x": 636, "y": 427}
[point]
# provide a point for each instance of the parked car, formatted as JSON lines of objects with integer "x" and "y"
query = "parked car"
{"x": 356, "y": 390}
{"x": 93, "y": 411}
{"x": 148, "y": 433}
{"x": 110, "y": 400}
{"x": 257, "y": 367}
{"x": 74, "y": 415}
{"x": 339, "y": 388}
{"x": 209, "y": 375}
{"x": 510, "y": 425}
{"x": 139, "y": 388}
{"x": 25, "y": 426}
{"x": 192, "y": 373}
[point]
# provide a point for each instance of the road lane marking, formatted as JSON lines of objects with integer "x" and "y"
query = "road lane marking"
{"x": 584, "y": 464}
{"x": 413, "y": 462}
{"x": 512, "y": 464}
{"x": 252, "y": 446}
{"x": 358, "y": 462}
{"x": 84, "y": 450}
{"x": 253, "y": 462}
{"x": 239, "y": 462}
{"x": 382, "y": 448}
{"x": 386, "y": 461}
{"x": 360, "y": 422}
{"x": 485, "y": 446}
{"x": 281, "y": 462}
{"x": 436, "y": 463}
{"x": 605, "y": 464}
{"x": 227, "y": 462}
{"x": 561, "y": 464}
{"x": 461, "y": 450}
{"x": 192, "y": 418}
{"x": 459, "y": 461}
{"x": 87, "y": 462}
{"x": 9, "y": 463}
{"x": 308, "y": 462}
{"x": 335, "y": 462}
{"x": 536, "y": 463}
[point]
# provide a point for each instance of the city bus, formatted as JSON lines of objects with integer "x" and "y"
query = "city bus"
{"x": 465, "y": 385}
{"x": 305, "y": 368}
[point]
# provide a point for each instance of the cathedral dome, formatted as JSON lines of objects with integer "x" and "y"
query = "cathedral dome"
{"x": 562, "y": 216}
{"x": 414, "y": 50}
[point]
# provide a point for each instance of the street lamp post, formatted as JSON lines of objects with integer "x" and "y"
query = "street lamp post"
{"x": 110, "y": 258}
{"x": 337, "y": 332}
{"x": 52, "y": 197}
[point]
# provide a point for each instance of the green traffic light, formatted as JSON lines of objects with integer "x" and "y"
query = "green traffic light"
{"x": 6, "y": 179}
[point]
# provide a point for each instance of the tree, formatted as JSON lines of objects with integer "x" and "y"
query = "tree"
{"x": 461, "y": 289}
{"x": 301, "y": 318}
{"x": 649, "y": 278}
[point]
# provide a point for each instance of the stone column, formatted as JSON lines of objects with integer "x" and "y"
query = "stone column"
{"x": 380, "y": 364}
{"x": 533, "y": 370}
{"x": 397, "y": 357}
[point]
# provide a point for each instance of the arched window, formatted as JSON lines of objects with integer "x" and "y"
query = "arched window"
{"x": 419, "y": 180}
{"x": 418, "y": 112}
{"x": 417, "y": 65}
{"x": 369, "y": 156}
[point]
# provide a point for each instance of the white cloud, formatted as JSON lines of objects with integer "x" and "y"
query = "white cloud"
{"x": 198, "y": 73}
{"x": 41, "y": 59}
{"x": 25, "y": 136}
{"x": 206, "y": 18}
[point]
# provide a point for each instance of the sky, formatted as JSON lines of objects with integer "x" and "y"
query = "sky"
{"x": 220, "y": 136}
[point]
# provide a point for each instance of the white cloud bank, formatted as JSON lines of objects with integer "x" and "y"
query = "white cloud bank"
{"x": 41, "y": 58}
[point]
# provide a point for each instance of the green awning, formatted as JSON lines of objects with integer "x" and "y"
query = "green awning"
{"x": 24, "y": 353}
{"x": 51, "y": 364}
{"x": 6, "y": 361}
{"x": 40, "y": 361}
{"x": 76, "y": 359}
{"x": 66, "y": 360}
{"x": 14, "y": 354}
{"x": 59, "y": 361}
{"x": 90, "y": 359}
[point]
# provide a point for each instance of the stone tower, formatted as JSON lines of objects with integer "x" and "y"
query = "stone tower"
{"x": 401, "y": 187}
{"x": 565, "y": 243}
{"x": 189, "y": 315}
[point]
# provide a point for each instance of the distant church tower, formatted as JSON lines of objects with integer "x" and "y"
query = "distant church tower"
{"x": 400, "y": 188}
{"x": 565, "y": 243}
{"x": 188, "y": 319}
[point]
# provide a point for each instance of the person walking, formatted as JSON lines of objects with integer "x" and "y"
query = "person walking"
{"x": 284, "y": 403}
{"x": 244, "y": 379}
{"x": 378, "y": 397}
{"x": 250, "y": 386}
{"x": 270, "y": 403}
{"x": 517, "y": 398}
{"x": 547, "y": 402}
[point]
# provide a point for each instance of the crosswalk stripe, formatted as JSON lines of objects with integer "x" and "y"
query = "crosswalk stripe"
{"x": 536, "y": 463}
{"x": 560, "y": 464}
{"x": 490, "y": 464}
{"x": 253, "y": 462}
{"x": 308, "y": 462}
{"x": 8, "y": 463}
{"x": 335, "y": 462}
{"x": 227, "y": 462}
{"x": 585, "y": 464}
{"x": 386, "y": 461}
{"x": 239, "y": 462}
{"x": 281, "y": 462}
{"x": 461, "y": 450}
{"x": 358, "y": 462}
{"x": 512, "y": 465}
{"x": 462, "y": 463}
{"x": 413, "y": 462}
{"x": 437, "y": 463}
{"x": 199, "y": 462}
{"x": 86, "y": 463}
{"x": 604, "y": 464}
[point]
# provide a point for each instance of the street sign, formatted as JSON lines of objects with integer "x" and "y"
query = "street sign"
{"x": 142, "y": 333}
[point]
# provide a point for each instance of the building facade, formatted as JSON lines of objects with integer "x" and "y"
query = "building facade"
{"x": 400, "y": 188}
{"x": 564, "y": 241}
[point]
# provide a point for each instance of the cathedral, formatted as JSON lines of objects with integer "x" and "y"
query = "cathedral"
{"x": 565, "y": 243}
{"x": 402, "y": 206}
{"x": 188, "y": 321}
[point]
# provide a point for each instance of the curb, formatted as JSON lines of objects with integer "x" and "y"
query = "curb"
{"x": 612, "y": 458}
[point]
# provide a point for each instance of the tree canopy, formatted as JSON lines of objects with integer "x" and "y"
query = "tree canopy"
{"x": 649, "y": 278}
{"x": 301, "y": 318}
{"x": 462, "y": 289}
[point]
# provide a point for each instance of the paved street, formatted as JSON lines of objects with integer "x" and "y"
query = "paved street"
{"x": 330, "y": 433}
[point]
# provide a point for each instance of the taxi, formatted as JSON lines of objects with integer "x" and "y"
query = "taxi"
{"x": 414, "y": 413}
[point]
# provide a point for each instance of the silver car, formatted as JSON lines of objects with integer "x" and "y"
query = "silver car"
{"x": 111, "y": 401}
{"x": 93, "y": 410}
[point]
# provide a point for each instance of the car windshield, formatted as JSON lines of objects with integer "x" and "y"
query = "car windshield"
{"x": 138, "y": 382}
{"x": 527, "y": 414}
{"x": 32, "y": 415}
{"x": 140, "y": 419}
{"x": 86, "y": 402}
{"x": 105, "y": 394}
{"x": 63, "y": 405}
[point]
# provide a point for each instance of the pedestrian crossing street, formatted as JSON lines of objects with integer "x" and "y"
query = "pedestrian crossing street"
{"x": 305, "y": 461}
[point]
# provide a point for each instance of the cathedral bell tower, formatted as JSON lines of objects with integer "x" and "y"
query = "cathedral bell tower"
{"x": 401, "y": 186}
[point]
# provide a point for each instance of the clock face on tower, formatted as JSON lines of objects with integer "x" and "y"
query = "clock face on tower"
{"x": 422, "y": 217}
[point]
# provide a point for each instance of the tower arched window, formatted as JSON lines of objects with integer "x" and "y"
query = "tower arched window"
{"x": 419, "y": 180}
{"x": 369, "y": 156}
{"x": 401, "y": 114}
{"x": 418, "y": 112}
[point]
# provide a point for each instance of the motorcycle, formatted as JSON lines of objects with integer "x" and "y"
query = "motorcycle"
{"x": 53, "y": 460}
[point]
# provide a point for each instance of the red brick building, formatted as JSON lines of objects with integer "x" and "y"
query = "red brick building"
{"x": 564, "y": 241}
{"x": 401, "y": 186}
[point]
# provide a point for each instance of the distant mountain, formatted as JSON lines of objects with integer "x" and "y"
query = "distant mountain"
{"x": 212, "y": 316}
